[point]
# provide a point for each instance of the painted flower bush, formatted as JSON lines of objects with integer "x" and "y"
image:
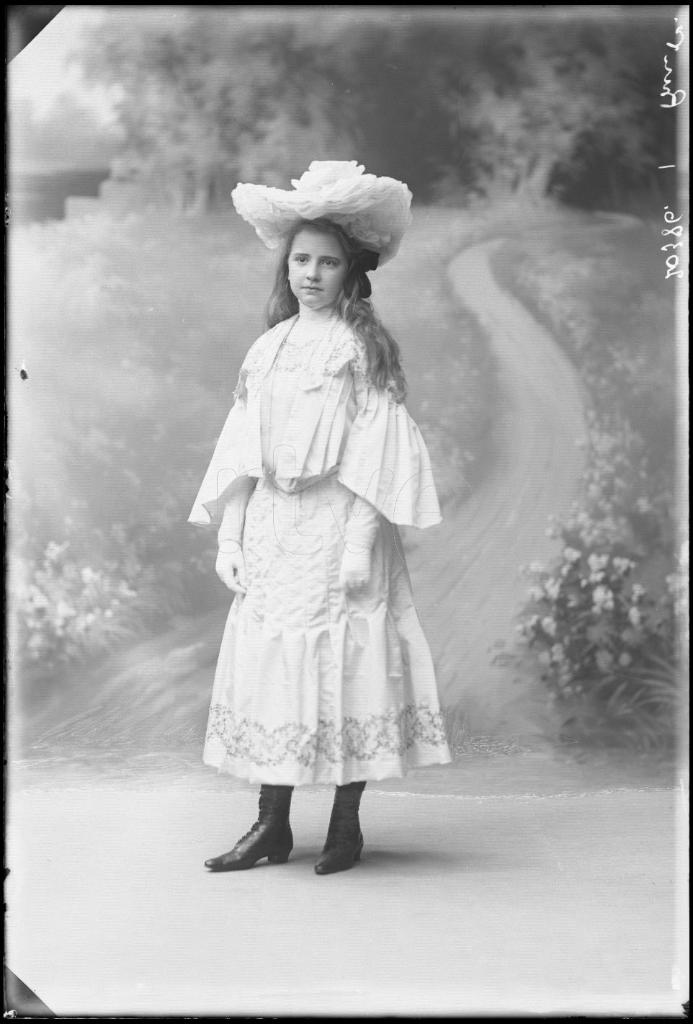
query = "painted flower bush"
{"x": 605, "y": 620}
{"x": 67, "y": 609}
{"x": 604, "y": 643}
{"x": 82, "y": 596}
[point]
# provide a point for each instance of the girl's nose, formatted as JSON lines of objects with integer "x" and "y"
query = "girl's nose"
{"x": 312, "y": 271}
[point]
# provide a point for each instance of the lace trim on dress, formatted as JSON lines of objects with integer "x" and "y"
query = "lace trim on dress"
{"x": 300, "y": 357}
{"x": 342, "y": 353}
{"x": 365, "y": 739}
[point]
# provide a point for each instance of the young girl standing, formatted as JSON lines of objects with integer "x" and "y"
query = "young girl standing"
{"x": 324, "y": 673}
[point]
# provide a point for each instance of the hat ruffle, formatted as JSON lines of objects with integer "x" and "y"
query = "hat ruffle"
{"x": 373, "y": 210}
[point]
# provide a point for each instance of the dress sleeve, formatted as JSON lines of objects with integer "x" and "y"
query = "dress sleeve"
{"x": 385, "y": 459}
{"x": 228, "y": 465}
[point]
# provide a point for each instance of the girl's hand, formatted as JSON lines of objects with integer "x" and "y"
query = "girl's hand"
{"x": 355, "y": 570}
{"x": 230, "y": 568}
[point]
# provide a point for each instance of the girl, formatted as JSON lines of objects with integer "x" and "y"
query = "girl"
{"x": 324, "y": 673}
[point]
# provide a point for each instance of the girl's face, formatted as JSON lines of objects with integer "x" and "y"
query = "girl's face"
{"x": 317, "y": 268}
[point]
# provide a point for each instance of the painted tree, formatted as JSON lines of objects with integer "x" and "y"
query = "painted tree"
{"x": 516, "y": 105}
{"x": 208, "y": 96}
{"x": 540, "y": 95}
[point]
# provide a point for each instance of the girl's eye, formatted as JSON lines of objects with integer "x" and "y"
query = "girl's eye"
{"x": 329, "y": 261}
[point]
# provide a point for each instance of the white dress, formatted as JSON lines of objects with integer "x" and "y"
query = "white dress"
{"x": 314, "y": 684}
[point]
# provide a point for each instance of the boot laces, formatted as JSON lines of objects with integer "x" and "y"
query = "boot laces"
{"x": 251, "y": 831}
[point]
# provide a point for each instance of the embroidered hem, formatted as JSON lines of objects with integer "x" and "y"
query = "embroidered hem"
{"x": 374, "y": 747}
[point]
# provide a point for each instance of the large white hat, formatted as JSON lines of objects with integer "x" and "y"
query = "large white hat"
{"x": 374, "y": 211}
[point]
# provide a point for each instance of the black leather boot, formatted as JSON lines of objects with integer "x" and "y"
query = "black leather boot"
{"x": 344, "y": 837}
{"x": 269, "y": 837}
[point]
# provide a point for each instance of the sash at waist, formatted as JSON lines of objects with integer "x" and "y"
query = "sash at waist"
{"x": 292, "y": 485}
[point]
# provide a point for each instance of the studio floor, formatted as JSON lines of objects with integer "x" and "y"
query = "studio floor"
{"x": 553, "y": 902}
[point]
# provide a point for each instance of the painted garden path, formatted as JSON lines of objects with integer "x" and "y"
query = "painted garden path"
{"x": 467, "y": 583}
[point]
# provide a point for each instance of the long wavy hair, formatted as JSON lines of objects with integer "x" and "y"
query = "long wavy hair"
{"x": 354, "y": 306}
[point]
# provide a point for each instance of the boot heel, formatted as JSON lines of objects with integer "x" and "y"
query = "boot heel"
{"x": 357, "y": 855}
{"x": 279, "y": 856}
{"x": 280, "y": 853}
